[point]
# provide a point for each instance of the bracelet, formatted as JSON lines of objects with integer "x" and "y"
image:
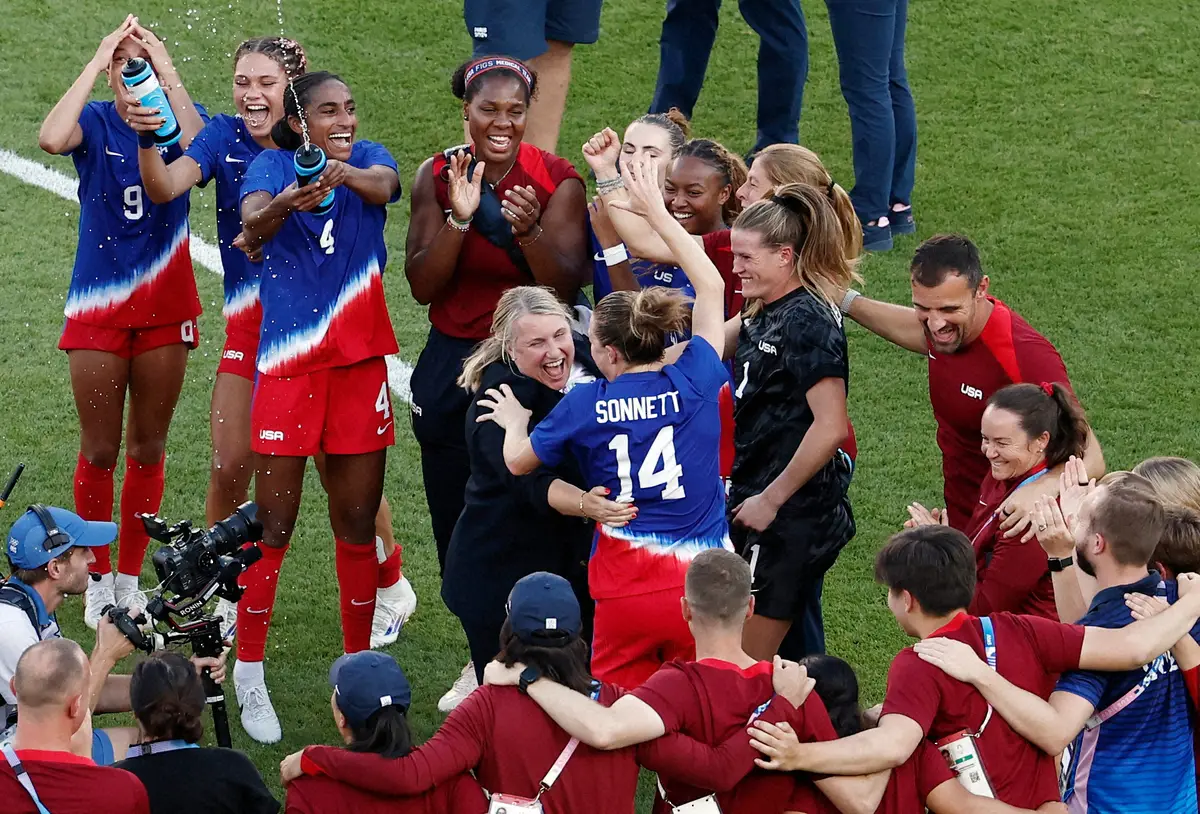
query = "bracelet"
{"x": 848, "y": 300}
{"x": 533, "y": 240}
{"x": 458, "y": 225}
{"x": 610, "y": 185}
{"x": 582, "y": 513}
{"x": 615, "y": 255}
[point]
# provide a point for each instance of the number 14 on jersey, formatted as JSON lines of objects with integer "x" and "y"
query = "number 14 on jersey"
{"x": 658, "y": 469}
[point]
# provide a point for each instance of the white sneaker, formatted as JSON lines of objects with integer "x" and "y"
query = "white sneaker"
{"x": 99, "y": 595}
{"x": 393, "y": 607}
{"x": 126, "y": 592}
{"x": 258, "y": 716}
{"x": 464, "y": 685}
{"x": 226, "y": 611}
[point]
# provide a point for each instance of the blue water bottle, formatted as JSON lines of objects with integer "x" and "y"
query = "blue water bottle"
{"x": 142, "y": 82}
{"x": 309, "y": 162}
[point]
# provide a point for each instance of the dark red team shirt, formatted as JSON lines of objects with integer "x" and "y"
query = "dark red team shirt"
{"x": 70, "y": 784}
{"x": 1030, "y": 653}
{"x": 712, "y": 701}
{"x": 510, "y": 743}
{"x": 720, "y": 252}
{"x": 1009, "y": 575}
{"x": 316, "y": 794}
{"x": 908, "y": 787}
{"x": 484, "y": 271}
{"x": 1008, "y": 351}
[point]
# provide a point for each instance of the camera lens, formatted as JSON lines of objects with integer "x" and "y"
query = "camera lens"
{"x": 239, "y": 528}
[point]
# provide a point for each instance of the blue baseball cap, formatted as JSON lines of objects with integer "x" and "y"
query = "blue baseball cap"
{"x": 29, "y": 537}
{"x": 366, "y": 682}
{"x": 543, "y": 610}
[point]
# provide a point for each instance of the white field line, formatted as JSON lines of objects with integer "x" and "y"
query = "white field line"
{"x": 203, "y": 253}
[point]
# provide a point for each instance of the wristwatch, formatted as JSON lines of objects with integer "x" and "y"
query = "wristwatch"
{"x": 851, "y": 296}
{"x": 528, "y": 676}
{"x": 1060, "y": 563}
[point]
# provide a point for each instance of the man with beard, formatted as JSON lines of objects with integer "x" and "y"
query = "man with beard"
{"x": 976, "y": 345}
{"x": 1128, "y": 734}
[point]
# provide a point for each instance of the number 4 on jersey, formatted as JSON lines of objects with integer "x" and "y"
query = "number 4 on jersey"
{"x": 327, "y": 237}
{"x": 658, "y": 469}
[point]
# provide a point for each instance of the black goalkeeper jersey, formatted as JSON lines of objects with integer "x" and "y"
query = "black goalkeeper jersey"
{"x": 785, "y": 349}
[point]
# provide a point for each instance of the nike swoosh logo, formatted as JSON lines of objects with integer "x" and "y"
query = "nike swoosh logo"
{"x": 383, "y": 429}
{"x": 231, "y": 160}
{"x": 598, "y": 256}
{"x": 258, "y": 610}
{"x": 360, "y": 604}
{"x": 110, "y": 152}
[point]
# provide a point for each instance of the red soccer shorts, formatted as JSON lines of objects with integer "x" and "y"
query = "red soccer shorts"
{"x": 339, "y": 411}
{"x": 635, "y": 635}
{"x": 239, "y": 354}
{"x": 128, "y": 342}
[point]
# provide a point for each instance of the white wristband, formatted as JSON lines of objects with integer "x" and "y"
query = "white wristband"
{"x": 851, "y": 296}
{"x": 616, "y": 254}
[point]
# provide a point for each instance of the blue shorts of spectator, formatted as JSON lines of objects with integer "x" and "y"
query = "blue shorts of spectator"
{"x": 521, "y": 28}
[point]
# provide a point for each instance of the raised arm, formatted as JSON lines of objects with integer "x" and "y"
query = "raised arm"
{"x": 190, "y": 121}
{"x": 646, "y": 201}
{"x": 620, "y": 275}
{"x": 165, "y": 182}
{"x": 897, "y": 324}
{"x": 60, "y": 132}
{"x": 601, "y": 153}
{"x": 431, "y": 253}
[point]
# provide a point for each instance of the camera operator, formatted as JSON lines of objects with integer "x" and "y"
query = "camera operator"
{"x": 180, "y": 777}
{"x": 49, "y": 550}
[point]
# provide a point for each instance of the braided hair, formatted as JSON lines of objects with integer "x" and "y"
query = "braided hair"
{"x": 729, "y": 165}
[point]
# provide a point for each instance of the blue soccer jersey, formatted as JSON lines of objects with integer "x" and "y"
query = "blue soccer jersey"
{"x": 132, "y": 264}
{"x": 1141, "y": 758}
{"x": 652, "y": 438}
{"x": 322, "y": 280}
{"x": 224, "y": 150}
{"x": 646, "y": 272}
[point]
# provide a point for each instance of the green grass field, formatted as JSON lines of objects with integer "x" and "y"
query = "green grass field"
{"x": 1064, "y": 138}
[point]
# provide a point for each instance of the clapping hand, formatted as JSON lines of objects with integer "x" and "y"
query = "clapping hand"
{"x": 1051, "y": 529}
{"x": 463, "y": 186}
{"x": 918, "y": 515}
{"x": 1073, "y": 486}
{"x": 521, "y": 208}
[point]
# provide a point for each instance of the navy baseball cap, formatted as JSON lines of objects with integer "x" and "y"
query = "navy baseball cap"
{"x": 28, "y": 537}
{"x": 366, "y": 682}
{"x": 543, "y": 610}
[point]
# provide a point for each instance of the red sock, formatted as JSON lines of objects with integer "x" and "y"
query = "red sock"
{"x": 389, "y": 570}
{"x": 358, "y": 574}
{"x": 141, "y": 493}
{"x": 257, "y": 604}
{"x": 94, "y": 501}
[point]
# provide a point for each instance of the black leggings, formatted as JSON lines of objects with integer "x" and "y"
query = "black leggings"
{"x": 439, "y": 415}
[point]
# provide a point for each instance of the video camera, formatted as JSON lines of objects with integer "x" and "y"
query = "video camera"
{"x": 193, "y": 566}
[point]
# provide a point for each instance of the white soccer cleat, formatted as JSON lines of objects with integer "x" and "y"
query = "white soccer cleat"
{"x": 393, "y": 607}
{"x": 258, "y": 715}
{"x": 464, "y": 685}
{"x": 99, "y": 596}
{"x": 226, "y": 611}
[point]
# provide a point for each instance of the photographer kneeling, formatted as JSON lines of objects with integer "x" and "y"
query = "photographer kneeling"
{"x": 49, "y": 550}
{"x": 179, "y": 776}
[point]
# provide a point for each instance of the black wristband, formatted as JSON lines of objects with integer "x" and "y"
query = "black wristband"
{"x": 145, "y": 140}
{"x": 1056, "y": 564}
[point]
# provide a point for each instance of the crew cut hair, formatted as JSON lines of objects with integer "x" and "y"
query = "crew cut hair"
{"x": 717, "y": 586}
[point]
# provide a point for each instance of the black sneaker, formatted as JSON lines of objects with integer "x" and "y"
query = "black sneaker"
{"x": 902, "y": 222}
{"x": 877, "y": 238}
